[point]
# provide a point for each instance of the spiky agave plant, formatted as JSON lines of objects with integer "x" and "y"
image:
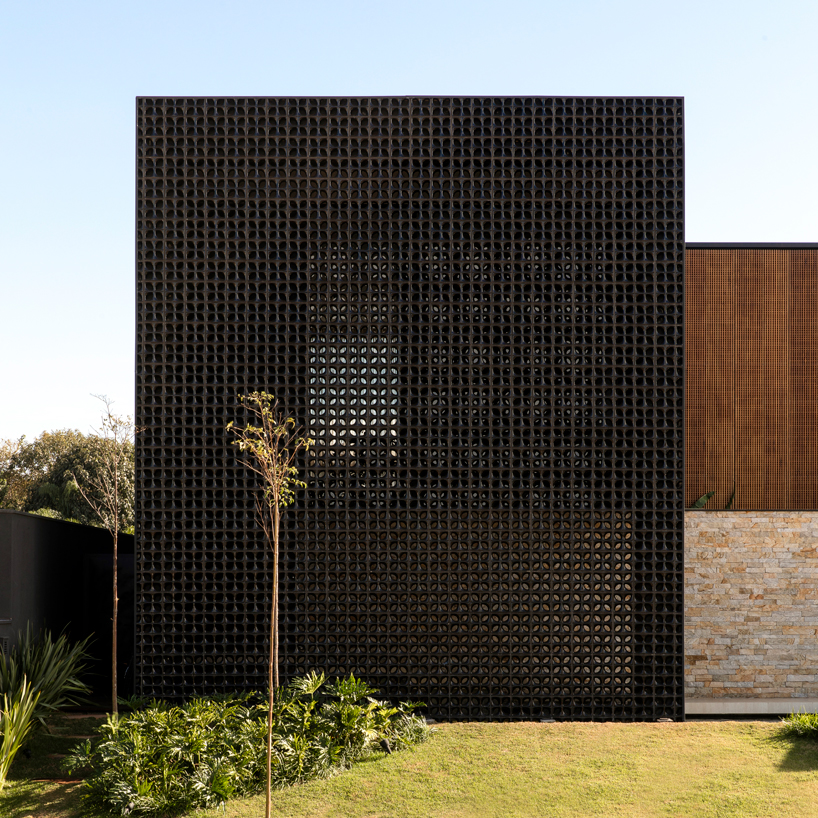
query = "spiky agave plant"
{"x": 15, "y": 723}
{"x": 52, "y": 667}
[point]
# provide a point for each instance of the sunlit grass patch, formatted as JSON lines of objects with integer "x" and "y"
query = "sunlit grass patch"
{"x": 565, "y": 770}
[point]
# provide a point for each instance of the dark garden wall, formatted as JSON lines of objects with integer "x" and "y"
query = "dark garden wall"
{"x": 475, "y": 307}
{"x": 59, "y": 575}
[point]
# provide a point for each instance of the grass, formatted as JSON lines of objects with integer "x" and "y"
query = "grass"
{"x": 702, "y": 769}
{"x": 24, "y": 796}
{"x": 46, "y": 750}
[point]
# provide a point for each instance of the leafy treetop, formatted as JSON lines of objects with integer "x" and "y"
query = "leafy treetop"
{"x": 39, "y": 475}
{"x": 270, "y": 448}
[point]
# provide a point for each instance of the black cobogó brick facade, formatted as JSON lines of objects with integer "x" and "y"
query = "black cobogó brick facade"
{"x": 475, "y": 307}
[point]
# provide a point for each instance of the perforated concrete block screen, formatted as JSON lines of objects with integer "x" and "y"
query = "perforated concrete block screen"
{"x": 474, "y": 305}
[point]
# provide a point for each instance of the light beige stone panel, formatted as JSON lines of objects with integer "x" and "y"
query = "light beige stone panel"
{"x": 751, "y": 604}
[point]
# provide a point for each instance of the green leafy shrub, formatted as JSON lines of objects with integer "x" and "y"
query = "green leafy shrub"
{"x": 53, "y": 669}
{"x": 129, "y": 704}
{"x": 15, "y": 723}
{"x": 800, "y": 724}
{"x": 167, "y": 760}
{"x": 47, "y": 512}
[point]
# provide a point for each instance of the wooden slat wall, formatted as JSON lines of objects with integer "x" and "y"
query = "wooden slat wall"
{"x": 803, "y": 385}
{"x": 762, "y": 376}
{"x": 710, "y": 397}
{"x": 751, "y": 392}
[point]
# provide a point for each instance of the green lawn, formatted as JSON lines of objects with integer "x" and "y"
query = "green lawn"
{"x": 701, "y": 769}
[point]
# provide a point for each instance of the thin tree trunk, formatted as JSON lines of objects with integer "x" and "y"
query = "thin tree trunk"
{"x": 113, "y": 638}
{"x": 270, "y": 736}
{"x": 115, "y": 709}
{"x": 275, "y": 594}
{"x": 273, "y": 666}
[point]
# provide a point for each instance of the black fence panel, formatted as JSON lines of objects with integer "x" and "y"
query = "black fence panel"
{"x": 475, "y": 307}
{"x": 58, "y": 576}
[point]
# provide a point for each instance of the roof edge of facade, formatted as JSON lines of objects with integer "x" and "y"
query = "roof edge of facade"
{"x": 751, "y": 245}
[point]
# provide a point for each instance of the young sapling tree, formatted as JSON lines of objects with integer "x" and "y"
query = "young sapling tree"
{"x": 108, "y": 491}
{"x": 270, "y": 443}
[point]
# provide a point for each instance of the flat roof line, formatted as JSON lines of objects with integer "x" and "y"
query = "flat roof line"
{"x": 751, "y": 245}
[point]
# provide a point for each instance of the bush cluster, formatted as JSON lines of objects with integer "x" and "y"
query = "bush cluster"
{"x": 166, "y": 760}
{"x": 800, "y": 724}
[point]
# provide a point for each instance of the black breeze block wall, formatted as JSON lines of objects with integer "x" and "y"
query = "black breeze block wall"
{"x": 475, "y": 307}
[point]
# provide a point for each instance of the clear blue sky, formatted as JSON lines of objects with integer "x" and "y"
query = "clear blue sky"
{"x": 70, "y": 72}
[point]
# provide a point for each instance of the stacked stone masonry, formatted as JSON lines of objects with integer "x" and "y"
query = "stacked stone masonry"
{"x": 751, "y": 602}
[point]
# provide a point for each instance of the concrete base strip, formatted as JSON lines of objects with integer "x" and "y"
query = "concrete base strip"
{"x": 749, "y": 707}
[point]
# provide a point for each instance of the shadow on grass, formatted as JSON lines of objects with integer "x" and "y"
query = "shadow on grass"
{"x": 800, "y": 753}
{"x": 42, "y": 754}
{"x": 42, "y": 757}
{"x": 29, "y": 799}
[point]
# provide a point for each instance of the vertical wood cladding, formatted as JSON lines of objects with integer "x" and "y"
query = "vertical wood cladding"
{"x": 709, "y": 397}
{"x": 802, "y": 404}
{"x": 752, "y": 327}
{"x": 475, "y": 306}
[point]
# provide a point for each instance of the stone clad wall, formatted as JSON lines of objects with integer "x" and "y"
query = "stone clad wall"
{"x": 751, "y": 604}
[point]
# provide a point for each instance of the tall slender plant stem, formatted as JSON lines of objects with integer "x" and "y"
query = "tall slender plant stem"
{"x": 270, "y": 450}
{"x": 273, "y": 666}
{"x": 276, "y": 552}
{"x": 102, "y": 495}
{"x": 114, "y": 696}
{"x": 115, "y": 618}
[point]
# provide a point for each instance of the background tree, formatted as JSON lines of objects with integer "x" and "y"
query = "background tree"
{"x": 105, "y": 490}
{"x": 8, "y": 453}
{"x": 43, "y": 476}
{"x": 26, "y": 465}
{"x": 72, "y": 486}
{"x": 270, "y": 443}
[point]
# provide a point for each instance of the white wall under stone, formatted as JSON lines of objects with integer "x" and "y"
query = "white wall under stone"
{"x": 751, "y": 604}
